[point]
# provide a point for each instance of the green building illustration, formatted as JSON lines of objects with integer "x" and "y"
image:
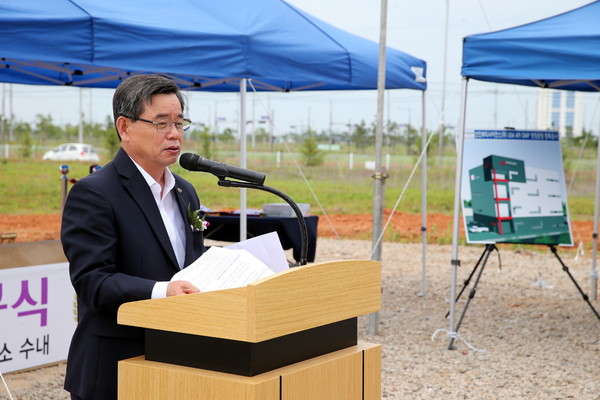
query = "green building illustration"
{"x": 513, "y": 202}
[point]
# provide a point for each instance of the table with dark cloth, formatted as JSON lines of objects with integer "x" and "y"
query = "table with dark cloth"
{"x": 226, "y": 227}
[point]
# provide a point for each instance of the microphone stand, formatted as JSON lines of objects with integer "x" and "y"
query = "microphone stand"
{"x": 304, "y": 248}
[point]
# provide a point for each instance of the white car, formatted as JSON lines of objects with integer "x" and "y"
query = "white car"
{"x": 477, "y": 229}
{"x": 72, "y": 152}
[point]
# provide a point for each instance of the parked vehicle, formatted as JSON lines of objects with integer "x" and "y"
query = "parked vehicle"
{"x": 477, "y": 229}
{"x": 72, "y": 152}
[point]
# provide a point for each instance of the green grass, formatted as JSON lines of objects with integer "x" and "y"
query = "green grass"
{"x": 34, "y": 186}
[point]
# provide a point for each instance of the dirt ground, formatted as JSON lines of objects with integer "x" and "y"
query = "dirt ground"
{"x": 404, "y": 227}
{"x": 535, "y": 338}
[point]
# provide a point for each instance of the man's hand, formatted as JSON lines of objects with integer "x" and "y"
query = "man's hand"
{"x": 176, "y": 288}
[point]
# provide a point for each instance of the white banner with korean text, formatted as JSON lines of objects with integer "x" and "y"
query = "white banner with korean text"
{"x": 37, "y": 314}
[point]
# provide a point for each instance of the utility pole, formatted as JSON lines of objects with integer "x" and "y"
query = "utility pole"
{"x": 253, "y": 119}
{"x": 271, "y": 122}
{"x": 2, "y": 118}
{"x": 330, "y": 122}
{"x": 80, "y": 115}
{"x": 496, "y": 109}
{"x": 443, "y": 111}
{"x": 11, "y": 115}
{"x": 91, "y": 107}
{"x": 216, "y": 132}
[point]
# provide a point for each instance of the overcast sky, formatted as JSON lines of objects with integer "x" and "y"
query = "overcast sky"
{"x": 415, "y": 27}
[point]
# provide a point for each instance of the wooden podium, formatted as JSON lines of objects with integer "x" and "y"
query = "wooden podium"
{"x": 290, "y": 336}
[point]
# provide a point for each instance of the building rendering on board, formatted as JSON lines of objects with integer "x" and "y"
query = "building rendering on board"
{"x": 516, "y": 201}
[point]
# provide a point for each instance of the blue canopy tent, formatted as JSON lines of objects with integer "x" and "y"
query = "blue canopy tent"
{"x": 560, "y": 52}
{"x": 202, "y": 45}
{"x": 212, "y": 46}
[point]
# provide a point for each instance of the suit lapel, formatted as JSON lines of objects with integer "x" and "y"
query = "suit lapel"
{"x": 138, "y": 188}
{"x": 183, "y": 203}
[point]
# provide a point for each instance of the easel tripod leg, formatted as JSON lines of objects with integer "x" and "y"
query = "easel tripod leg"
{"x": 468, "y": 280}
{"x": 488, "y": 250}
{"x": 566, "y": 269}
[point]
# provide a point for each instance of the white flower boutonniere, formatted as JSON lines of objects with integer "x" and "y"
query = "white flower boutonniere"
{"x": 197, "y": 223}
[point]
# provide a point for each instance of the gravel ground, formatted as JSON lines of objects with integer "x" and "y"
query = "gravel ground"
{"x": 528, "y": 334}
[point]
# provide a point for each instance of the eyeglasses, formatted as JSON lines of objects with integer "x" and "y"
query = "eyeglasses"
{"x": 163, "y": 126}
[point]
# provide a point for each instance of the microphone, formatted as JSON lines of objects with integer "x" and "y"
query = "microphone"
{"x": 193, "y": 162}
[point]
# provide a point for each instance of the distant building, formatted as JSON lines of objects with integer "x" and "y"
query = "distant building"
{"x": 560, "y": 110}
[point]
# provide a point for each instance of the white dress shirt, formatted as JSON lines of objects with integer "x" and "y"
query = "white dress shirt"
{"x": 172, "y": 219}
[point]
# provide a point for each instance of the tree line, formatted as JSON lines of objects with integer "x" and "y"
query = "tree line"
{"x": 398, "y": 138}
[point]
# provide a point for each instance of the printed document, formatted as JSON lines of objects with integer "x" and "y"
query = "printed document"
{"x": 236, "y": 265}
{"x": 267, "y": 248}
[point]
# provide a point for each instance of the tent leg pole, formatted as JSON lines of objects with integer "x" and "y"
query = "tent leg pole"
{"x": 380, "y": 175}
{"x": 594, "y": 272}
{"x": 455, "y": 262}
{"x": 423, "y": 199}
{"x": 243, "y": 160}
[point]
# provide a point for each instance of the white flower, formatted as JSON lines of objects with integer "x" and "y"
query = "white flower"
{"x": 197, "y": 223}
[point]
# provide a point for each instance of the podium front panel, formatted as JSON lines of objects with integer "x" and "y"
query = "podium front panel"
{"x": 329, "y": 380}
{"x": 349, "y": 374}
{"x": 148, "y": 380}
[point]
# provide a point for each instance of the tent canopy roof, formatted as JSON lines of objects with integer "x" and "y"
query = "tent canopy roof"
{"x": 561, "y": 52}
{"x": 202, "y": 45}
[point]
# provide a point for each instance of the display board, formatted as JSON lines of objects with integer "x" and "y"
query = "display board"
{"x": 513, "y": 188}
{"x": 37, "y": 316}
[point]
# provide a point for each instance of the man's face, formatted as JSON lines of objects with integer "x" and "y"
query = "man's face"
{"x": 152, "y": 150}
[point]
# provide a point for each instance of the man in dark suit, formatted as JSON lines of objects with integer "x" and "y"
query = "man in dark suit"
{"x": 125, "y": 232}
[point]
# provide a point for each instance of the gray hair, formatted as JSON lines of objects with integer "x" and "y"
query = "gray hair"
{"x": 132, "y": 95}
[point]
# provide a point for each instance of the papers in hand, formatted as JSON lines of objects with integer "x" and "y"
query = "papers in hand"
{"x": 236, "y": 265}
